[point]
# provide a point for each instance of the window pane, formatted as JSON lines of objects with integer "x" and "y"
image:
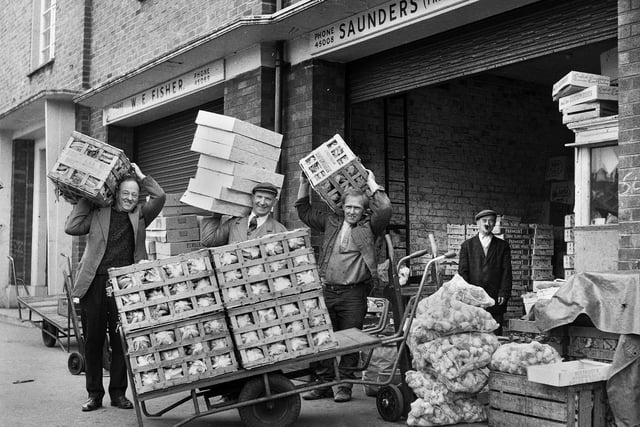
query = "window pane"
{"x": 604, "y": 185}
{"x": 46, "y": 4}
{"x": 46, "y": 20}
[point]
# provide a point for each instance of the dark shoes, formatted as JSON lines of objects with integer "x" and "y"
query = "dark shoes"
{"x": 92, "y": 404}
{"x": 122, "y": 403}
{"x": 318, "y": 393}
{"x": 342, "y": 395}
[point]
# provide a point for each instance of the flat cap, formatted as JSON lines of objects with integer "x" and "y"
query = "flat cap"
{"x": 486, "y": 212}
{"x": 266, "y": 187}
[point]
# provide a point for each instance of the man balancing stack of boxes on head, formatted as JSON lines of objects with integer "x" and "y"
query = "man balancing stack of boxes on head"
{"x": 236, "y": 289}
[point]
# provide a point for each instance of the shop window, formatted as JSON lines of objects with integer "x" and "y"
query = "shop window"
{"x": 604, "y": 186}
{"x": 43, "y": 32}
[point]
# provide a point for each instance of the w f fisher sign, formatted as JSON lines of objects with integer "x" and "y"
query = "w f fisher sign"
{"x": 376, "y": 21}
{"x": 178, "y": 87}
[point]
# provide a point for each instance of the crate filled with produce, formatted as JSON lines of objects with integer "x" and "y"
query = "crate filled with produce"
{"x": 167, "y": 290}
{"x": 89, "y": 168}
{"x": 268, "y": 267}
{"x": 281, "y": 329}
{"x": 181, "y": 352}
{"x": 332, "y": 169}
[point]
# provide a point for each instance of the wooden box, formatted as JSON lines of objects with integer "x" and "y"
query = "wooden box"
{"x": 516, "y": 401}
{"x": 211, "y": 204}
{"x": 231, "y": 124}
{"x": 575, "y": 81}
{"x": 176, "y": 248}
{"x": 592, "y": 93}
{"x": 89, "y": 168}
{"x": 232, "y": 153}
{"x": 237, "y": 140}
{"x": 332, "y": 169}
{"x": 268, "y": 267}
{"x": 166, "y": 290}
{"x": 591, "y": 343}
{"x": 174, "y": 236}
{"x": 253, "y": 174}
{"x": 177, "y": 222}
{"x": 281, "y": 329}
{"x": 589, "y": 110}
{"x": 181, "y": 352}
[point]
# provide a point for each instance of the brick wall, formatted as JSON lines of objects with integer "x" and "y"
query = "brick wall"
{"x": 473, "y": 143}
{"x": 249, "y": 97}
{"x": 629, "y": 134}
{"x": 128, "y": 34}
{"x": 65, "y": 72}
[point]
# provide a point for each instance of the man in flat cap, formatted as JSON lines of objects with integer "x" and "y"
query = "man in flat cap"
{"x": 485, "y": 261}
{"x": 257, "y": 224}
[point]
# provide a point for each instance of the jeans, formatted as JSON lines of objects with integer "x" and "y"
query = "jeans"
{"x": 347, "y": 308}
{"x": 99, "y": 315}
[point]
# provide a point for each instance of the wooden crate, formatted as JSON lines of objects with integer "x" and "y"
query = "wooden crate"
{"x": 515, "y": 401}
{"x": 525, "y": 331}
{"x": 332, "y": 169}
{"x": 175, "y": 348}
{"x": 283, "y": 325}
{"x": 589, "y": 110}
{"x": 88, "y": 168}
{"x": 165, "y": 290}
{"x": 591, "y": 343}
{"x": 257, "y": 270}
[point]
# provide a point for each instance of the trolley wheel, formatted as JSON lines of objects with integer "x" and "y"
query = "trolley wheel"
{"x": 390, "y": 402}
{"x": 47, "y": 339}
{"x": 75, "y": 364}
{"x": 277, "y": 413}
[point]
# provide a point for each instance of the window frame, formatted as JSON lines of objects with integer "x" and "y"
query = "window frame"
{"x": 38, "y": 33}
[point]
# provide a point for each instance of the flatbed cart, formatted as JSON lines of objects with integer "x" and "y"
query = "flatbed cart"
{"x": 56, "y": 328}
{"x": 267, "y": 396}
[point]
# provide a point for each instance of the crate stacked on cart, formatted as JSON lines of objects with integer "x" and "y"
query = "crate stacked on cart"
{"x": 89, "y": 168}
{"x": 174, "y": 235}
{"x": 272, "y": 292}
{"x": 171, "y": 312}
{"x": 568, "y": 260}
{"x": 332, "y": 169}
{"x": 234, "y": 156}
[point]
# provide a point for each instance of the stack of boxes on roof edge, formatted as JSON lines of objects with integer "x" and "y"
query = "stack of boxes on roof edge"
{"x": 234, "y": 157}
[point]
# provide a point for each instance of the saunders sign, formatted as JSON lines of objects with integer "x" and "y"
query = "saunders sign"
{"x": 378, "y": 20}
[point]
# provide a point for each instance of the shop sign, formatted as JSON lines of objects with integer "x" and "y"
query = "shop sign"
{"x": 186, "y": 84}
{"x": 378, "y": 20}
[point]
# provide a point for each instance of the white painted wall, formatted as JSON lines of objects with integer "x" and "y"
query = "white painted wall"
{"x": 39, "y": 221}
{"x": 59, "y": 123}
{"x": 6, "y": 166}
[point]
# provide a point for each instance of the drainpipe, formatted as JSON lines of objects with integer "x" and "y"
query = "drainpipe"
{"x": 277, "y": 122}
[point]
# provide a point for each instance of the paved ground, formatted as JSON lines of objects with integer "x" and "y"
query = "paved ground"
{"x": 36, "y": 389}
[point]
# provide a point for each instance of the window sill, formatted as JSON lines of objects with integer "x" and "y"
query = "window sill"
{"x": 40, "y": 68}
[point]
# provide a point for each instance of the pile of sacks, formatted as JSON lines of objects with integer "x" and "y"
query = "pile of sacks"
{"x": 451, "y": 344}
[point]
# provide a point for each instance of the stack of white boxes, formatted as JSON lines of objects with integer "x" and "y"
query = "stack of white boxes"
{"x": 583, "y": 96}
{"x": 569, "y": 258}
{"x": 235, "y": 156}
{"x": 175, "y": 231}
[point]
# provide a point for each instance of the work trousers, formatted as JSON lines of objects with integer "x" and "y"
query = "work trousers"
{"x": 99, "y": 316}
{"x": 347, "y": 308}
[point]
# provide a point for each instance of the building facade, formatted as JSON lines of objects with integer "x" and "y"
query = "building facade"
{"x": 448, "y": 102}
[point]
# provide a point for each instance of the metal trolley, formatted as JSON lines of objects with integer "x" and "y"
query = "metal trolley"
{"x": 270, "y": 395}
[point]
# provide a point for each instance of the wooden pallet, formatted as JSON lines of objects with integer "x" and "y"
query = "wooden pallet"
{"x": 262, "y": 327}
{"x": 148, "y": 294}
{"x": 257, "y": 270}
{"x": 89, "y": 168}
{"x": 174, "y": 348}
{"x": 515, "y": 401}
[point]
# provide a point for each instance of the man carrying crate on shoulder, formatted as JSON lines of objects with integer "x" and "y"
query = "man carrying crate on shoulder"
{"x": 116, "y": 238}
{"x": 257, "y": 224}
{"x": 347, "y": 266}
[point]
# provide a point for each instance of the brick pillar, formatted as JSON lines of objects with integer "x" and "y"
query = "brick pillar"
{"x": 250, "y": 97}
{"x": 629, "y": 134}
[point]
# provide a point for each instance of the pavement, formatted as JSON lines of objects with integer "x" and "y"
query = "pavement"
{"x": 36, "y": 389}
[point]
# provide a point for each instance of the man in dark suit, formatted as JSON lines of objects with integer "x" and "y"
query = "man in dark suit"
{"x": 485, "y": 261}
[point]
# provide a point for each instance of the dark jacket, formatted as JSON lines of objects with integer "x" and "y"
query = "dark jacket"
{"x": 87, "y": 218}
{"x": 491, "y": 272}
{"x": 363, "y": 234}
{"x": 235, "y": 230}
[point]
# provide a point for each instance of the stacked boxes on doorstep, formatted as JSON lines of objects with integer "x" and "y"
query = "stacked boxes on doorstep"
{"x": 89, "y": 168}
{"x": 332, "y": 169}
{"x": 584, "y": 96}
{"x": 172, "y": 315}
{"x": 520, "y": 243}
{"x": 541, "y": 252}
{"x": 272, "y": 292}
{"x": 175, "y": 231}
{"x": 569, "y": 258}
{"x": 455, "y": 236}
{"x": 234, "y": 157}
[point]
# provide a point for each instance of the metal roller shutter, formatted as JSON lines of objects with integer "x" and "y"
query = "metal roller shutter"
{"x": 539, "y": 29}
{"x": 162, "y": 147}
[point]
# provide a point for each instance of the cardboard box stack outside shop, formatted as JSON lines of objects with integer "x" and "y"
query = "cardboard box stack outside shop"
{"x": 234, "y": 156}
{"x": 584, "y": 96}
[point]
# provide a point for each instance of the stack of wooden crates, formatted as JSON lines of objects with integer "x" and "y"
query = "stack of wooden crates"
{"x": 272, "y": 292}
{"x": 174, "y": 322}
{"x": 568, "y": 260}
{"x": 234, "y": 157}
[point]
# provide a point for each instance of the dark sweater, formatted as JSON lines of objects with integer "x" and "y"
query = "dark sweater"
{"x": 120, "y": 243}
